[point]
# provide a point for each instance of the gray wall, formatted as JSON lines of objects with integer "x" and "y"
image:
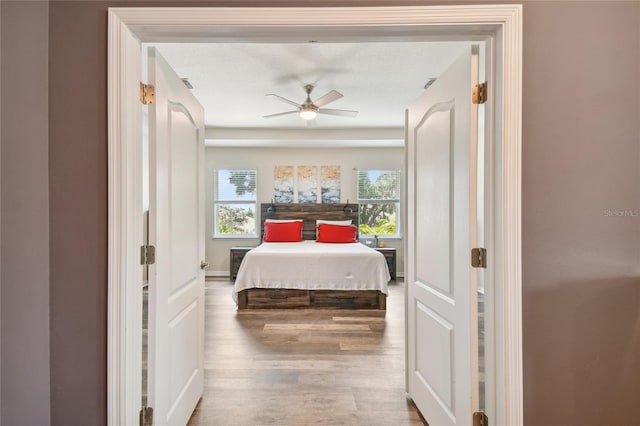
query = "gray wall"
{"x": 78, "y": 211}
{"x": 581, "y": 152}
{"x": 581, "y": 168}
{"x": 24, "y": 247}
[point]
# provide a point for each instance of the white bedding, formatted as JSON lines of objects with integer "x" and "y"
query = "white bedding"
{"x": 310, "y": 265}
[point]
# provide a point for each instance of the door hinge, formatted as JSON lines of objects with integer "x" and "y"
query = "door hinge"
{"x": 146, "y": 416}
{"x": 147, "y": 93}
{"x": 147, "y": 255}
{"x": 479, "y": 93}
{"x": 480, "y": 419}
{"x": 479, "y": 258}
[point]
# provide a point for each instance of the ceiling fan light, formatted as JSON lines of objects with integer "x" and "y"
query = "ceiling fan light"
{"x": 308, "y": 114}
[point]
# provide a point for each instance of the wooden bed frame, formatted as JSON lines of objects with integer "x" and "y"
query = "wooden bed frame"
{"x": 262, "y": 298}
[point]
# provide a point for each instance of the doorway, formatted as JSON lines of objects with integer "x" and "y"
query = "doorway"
{"x": 244, "y": 73}
{"x": 128, "y": 27}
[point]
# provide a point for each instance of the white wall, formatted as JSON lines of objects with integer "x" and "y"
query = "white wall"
{"x": 264, "y": 159}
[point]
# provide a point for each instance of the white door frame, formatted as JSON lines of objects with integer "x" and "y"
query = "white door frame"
{"x": 128, "y": 27}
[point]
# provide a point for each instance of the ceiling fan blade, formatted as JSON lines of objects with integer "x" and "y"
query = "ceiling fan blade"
{"x": 280, "y": 113}
{"x": 340, "y": 112}
{"x": 295, "y": 104}
{"x": 333, "y": 95}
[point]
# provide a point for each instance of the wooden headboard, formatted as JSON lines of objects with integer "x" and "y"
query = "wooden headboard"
{"x": 309, "y": 213}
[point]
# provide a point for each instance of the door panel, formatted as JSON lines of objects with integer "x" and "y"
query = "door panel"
{"x": 441, "y": 286}
{"x": 435, "y": 342}
{"x": 183, "y": 335}
{"x": 433, "y": 232}
{"x": 176, "y": 229}
{"x": 184, "y": 194}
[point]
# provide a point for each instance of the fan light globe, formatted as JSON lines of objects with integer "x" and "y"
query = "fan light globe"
{"x": 308, "y": 114}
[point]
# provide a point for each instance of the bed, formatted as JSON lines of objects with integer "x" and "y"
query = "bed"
{"x": 307, "y": 273}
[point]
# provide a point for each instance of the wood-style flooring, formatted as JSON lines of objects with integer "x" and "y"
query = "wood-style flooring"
{"x": 299, "y": 367}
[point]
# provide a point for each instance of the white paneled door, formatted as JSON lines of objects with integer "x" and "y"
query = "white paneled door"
{"x": 176, "y": 229}
{"x": 442, "y": 355}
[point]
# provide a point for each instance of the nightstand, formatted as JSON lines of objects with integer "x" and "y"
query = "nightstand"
{"x": 236, "y": 254}
{"x": 390, "y": 255}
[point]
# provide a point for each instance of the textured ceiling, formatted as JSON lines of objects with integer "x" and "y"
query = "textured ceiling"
{"x": 377, "y": 79}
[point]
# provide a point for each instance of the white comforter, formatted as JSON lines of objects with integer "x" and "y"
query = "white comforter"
{"x": 310, "y": 265}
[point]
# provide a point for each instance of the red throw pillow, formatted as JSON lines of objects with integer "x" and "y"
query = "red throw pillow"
{"x": 336, "y": 233}
{"x": 282, "y": 232}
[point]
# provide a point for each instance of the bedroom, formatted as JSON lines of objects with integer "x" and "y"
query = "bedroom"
{"x": 239, "y": 137}
{"x": 373, "y": 141}
{"x": 263, "y": 161}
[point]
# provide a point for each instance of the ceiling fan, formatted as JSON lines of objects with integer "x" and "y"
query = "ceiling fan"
{"x": 309, "y": 109}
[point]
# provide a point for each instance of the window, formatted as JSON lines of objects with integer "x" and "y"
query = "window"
{"x": 379, "y": 202}
{"x": 235, "y": 203}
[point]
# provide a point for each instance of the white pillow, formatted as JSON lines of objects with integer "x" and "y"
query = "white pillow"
{"x": 334, "y": 222}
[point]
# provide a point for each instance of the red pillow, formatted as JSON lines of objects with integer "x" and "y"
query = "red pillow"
{"x": 336, "y": 233}
{"x": 282, "y": 232}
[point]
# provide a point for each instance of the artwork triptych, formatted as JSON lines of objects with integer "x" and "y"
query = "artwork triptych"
{"x": 300, "y": 184}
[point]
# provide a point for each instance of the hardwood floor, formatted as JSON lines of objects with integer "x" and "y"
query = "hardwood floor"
{"x": 296, "y": 367}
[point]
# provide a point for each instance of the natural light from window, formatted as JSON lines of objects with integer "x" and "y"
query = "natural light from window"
{"x": 379, "y": 202}
{"x": 235, "y": 203}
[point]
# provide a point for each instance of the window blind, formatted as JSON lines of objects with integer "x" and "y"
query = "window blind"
{"x": 379, "y": 185}
{"x": 235, "y": 185}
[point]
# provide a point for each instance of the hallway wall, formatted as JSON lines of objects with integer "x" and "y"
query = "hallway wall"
{"x": 24, "y": 214}
{"x": 581, "y": 212}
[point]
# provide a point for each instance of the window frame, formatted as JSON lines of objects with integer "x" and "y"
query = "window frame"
{"x": 216, "y": 202}
{"x": 395, "y": 201}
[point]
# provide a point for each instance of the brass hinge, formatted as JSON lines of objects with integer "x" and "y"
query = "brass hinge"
{"x": 479, "y": 258}
{"x": 147, "y": 255}
{"x": 147, "y": 93}
{"x": 480, "y": 419}
{"x": 146, "y": 416}
{"x": 479, "y": 93}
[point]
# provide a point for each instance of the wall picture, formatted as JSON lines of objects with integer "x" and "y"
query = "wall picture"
{"x": 283, "y": 184}
{"x": 330, "y": 184}
{"x": 307, "y": 184}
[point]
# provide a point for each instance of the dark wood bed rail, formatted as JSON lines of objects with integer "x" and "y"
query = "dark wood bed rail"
{"x": 261, "y": 298}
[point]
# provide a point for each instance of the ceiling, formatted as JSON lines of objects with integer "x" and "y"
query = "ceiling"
{"x": 379, "y": 80}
